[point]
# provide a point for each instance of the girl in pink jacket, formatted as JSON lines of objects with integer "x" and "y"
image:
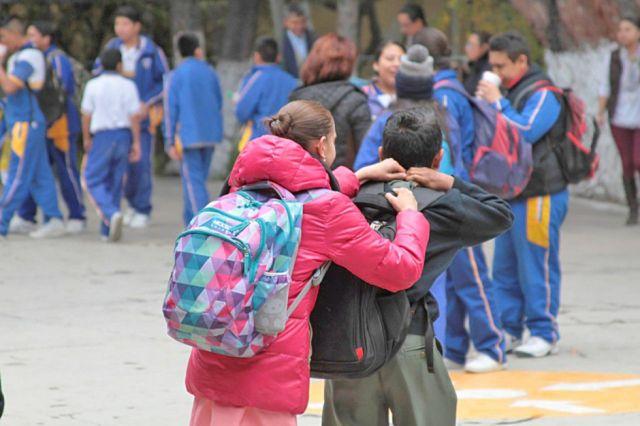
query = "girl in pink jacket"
{"x": 272, "y": 387}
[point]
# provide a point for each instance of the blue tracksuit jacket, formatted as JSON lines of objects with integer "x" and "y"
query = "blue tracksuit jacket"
{"x": 193, "y": 105}
{"x": 264, "y": 90}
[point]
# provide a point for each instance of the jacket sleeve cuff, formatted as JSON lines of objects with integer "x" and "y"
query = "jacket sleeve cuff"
{"x": 349, "y": 183}
{"x": 461, "y": 185}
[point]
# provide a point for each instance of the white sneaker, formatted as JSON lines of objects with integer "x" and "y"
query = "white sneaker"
{"x": 76, "y": 226}
{"x": 511, "y": 342}
{"x": 19, "y": 225}
{"x": 536, "y": 347}
{"x": 128, "y": 215}
{"x": 452, "y": 365}
{"x": 53, "y": 228}
{"x": 115, "y": 227}
{"x": 483, "y": 363}
{"x": 139, "y": 221}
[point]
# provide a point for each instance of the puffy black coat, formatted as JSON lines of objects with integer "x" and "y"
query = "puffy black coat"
{"x": 350, "y": 110}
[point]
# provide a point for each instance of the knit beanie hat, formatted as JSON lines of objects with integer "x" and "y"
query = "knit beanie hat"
{"x": 415, "y": 76}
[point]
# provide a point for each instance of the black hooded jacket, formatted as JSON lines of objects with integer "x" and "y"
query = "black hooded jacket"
{"x": 350, "y": 110}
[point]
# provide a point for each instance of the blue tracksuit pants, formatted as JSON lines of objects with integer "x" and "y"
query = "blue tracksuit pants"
{"x": 104, "y": 172}
{"x": 140, "y": 175}
{"x": 526, "y": 267}
{"x": 64, "y": 161}
{"x": 194, "y": 170}
{"x": 29, "y": 173}
{"x": 470, "y": 293}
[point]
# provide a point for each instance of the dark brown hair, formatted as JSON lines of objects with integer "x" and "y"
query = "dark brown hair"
{"x": 437, "y": 43}
{"x": 301, "y": 122}
{"x": 332, "y": 58}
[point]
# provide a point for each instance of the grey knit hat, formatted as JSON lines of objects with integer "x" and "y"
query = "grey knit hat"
{"x": 417, "y": 62}
{"x": 415, "y": 76}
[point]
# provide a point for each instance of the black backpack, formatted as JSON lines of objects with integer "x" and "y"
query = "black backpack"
{"x": 51, "y": 98}
{"x": 578, "y": 161}
{"x": 357, "y": 328}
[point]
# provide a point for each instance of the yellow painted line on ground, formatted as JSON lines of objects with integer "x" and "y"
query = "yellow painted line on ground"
{"x": 512, "y": 395}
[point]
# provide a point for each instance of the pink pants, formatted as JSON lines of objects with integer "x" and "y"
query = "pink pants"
{"x": 208, "y": 413}
{"x": 628, "y": 143}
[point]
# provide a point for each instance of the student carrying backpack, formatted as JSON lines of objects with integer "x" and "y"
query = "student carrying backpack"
{"x": 268, "y": 378}
{"x": 460, "y": 214}
{"x": 52, "y": 97}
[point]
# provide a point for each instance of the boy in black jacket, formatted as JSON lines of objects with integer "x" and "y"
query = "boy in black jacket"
{"x": 463, "y": 216}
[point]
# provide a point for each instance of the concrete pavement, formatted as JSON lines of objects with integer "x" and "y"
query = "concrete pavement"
{"x": 82, "y": 338}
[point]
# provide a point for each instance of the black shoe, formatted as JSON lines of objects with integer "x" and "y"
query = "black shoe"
{"x": 631, "y": 193}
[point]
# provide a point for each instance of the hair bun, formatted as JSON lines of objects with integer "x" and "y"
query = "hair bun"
{"x": 280, "y": 124}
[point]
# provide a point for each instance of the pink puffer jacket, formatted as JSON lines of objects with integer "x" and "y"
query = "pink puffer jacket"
{"x": 277, "y": 379}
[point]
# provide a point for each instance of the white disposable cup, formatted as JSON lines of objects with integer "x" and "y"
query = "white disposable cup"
{"x": 3, "y": 50}
{"x": 492, "y": 78}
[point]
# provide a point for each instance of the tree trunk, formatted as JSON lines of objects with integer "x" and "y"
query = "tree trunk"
{"x": 185, "y": 16}
{"x": 277, "y": 9}
{"x": 348, "y": 19}
{"x": 368, "y": 8}
{"x": 240, "y": 30}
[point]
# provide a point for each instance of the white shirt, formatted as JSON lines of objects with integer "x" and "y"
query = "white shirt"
{"x": 627, "y": 113}
{"x": 111, "y": 99}
{"x": 130, "y": 56}
{"x": 35, "y": 60}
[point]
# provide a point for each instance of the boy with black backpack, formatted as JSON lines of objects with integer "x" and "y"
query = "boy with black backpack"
{"x": 63, "y": 130}
{"x": 526, "y": 266}
{"x": 414, "y": 384}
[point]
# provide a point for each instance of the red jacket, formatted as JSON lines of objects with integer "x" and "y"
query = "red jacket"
{"x": 277, "y": 379}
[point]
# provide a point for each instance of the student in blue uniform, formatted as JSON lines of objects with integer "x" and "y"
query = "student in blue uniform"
{"x": 265, "y": 89}
{"x": 62, "y": 136}
{"x": 193, "y": 121}
{"x": 146, "y": 64}
{"x": 526, "y": 262}
{"x": 111, "y": 135}
{"x": 470, "y": 292}
{"x": 29, "y": 169}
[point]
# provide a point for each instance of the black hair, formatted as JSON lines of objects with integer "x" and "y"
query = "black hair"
{"x": 294, "y": 9}
{"x": 46, "y": 28}
{"x": 129, "y": 12}
{"x": 380, "y": 48}
{"x": 187, "y": 44}
{"x": 512, "y": 43}
{"x": 14, "y": 23}
{"x": 267, "y": 48}
{"x": 483, "y": 36}
{"x": 632, "y": 19}
{"x": 110, "y": 58}
{"x": 414, "y": 11}
{"x": 413, "y": 137}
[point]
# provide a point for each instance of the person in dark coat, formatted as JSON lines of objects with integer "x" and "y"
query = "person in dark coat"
{"x": 325, "y": 78}
{"x": 477, "y": 51}
{"x": 297, "y": 40}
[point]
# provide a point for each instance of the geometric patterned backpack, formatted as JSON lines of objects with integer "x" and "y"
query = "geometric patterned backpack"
{"x": 229, "y": 288}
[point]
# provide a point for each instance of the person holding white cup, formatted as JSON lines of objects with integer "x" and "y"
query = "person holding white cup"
{"x": 526, "y": 268}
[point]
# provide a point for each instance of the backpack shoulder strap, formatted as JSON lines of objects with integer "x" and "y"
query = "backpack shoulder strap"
{"x": 426, "y": 197}
{"x": 532, "y": 88}
{"x": 453, "y": 85}
{"x": 372, "y": 196}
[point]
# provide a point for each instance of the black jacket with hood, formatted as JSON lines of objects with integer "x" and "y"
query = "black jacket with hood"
{"x": 350, "y": 110}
